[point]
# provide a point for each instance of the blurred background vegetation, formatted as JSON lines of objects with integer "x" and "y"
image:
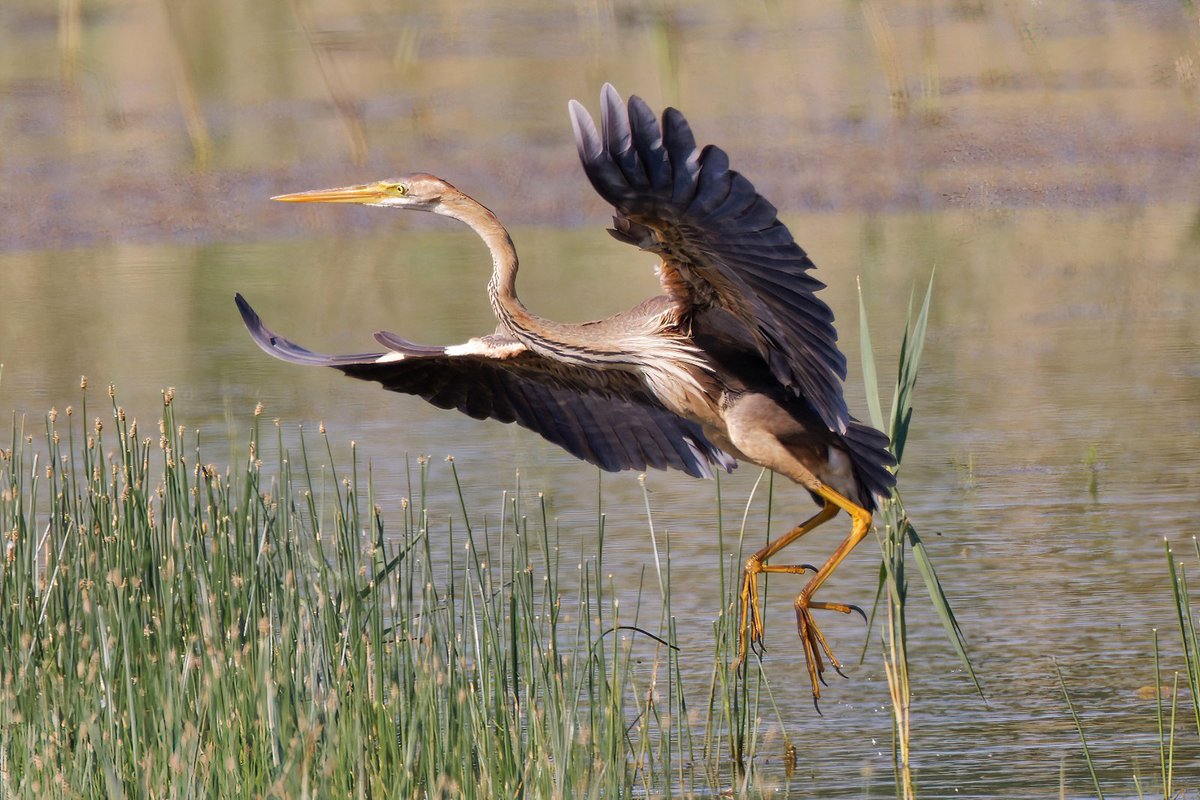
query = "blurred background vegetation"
{"x": 145, "y": 120}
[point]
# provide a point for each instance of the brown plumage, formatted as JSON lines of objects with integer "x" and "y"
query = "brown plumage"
{"x": 737, "y": 359}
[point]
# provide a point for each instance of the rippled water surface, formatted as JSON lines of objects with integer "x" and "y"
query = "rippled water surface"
{"x": 1042, "y": 158}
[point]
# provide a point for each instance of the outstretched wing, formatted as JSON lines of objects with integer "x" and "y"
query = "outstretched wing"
{"x": 605, "y": 419}
{"x": 722, "y": 244}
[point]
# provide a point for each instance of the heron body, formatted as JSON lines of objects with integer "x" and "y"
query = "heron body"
{"x": 737, "y": 359}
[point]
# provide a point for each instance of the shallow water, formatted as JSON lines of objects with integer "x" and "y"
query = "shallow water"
{"x": 1043, "y": 161}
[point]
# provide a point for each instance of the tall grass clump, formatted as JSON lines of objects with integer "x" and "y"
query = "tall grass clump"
{"x": 173, "y": 629}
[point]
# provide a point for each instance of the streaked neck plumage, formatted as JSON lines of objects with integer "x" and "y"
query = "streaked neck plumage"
{"x": 628, "y": 342}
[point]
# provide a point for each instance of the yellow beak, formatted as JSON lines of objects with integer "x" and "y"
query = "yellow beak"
{"x": 365, "y": 193}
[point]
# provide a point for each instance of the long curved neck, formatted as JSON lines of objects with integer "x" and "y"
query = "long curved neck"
{"x": 625, "y": 342}
{"x": 502, "y": 288}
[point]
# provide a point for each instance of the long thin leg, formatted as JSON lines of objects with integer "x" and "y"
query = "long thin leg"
{"x": 750, "y": 622}
{"x": 814, "y": 641}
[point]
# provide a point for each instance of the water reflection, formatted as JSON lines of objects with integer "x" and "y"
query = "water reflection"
{"x": 1043, "y": 157}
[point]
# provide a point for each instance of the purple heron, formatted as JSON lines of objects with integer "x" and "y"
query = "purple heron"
{"x": 736, "y": 359}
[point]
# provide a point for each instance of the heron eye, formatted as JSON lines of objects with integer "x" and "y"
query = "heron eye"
{"x": 400, "y": 189}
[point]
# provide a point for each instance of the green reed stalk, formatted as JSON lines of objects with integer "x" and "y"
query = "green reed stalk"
{"x": 897, "y": 535}
{"x": 1087, "y": 754}
{"x": 1165, "y": 727}
{"x": 1187, "y": 627}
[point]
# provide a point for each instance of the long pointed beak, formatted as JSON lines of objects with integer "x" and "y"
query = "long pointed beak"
{"x": 365, "y": 193}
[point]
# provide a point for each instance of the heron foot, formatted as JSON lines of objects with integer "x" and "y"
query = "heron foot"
{"x": 750, "y": 624}
{"x": 750, "y": 629}
{"x": 816, "y": 647}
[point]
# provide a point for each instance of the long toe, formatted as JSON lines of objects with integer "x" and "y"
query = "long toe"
{"x": 815, "y": 643}
{"x": 810, "y": 640}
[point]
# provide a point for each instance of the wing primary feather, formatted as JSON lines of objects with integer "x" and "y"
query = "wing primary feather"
{"x": 587, "y": 140}
{"x": 287, "y": 350}
{"x": 759, "y": 217}
{"x": 605, "y": 176}
{"x": 713, "y": 183}
{"x": 618, "y": 136}
{"x": 648, "y": 139}
{"x": 737, "y": 202}
{"x": 685, "y": 158}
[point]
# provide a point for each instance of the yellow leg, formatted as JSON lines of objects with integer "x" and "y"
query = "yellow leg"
{"x": 750, "y": 622}
{"x": 810, "y": 635}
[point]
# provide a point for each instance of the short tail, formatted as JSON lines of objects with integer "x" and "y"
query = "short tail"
{"x": 872, "y": 462}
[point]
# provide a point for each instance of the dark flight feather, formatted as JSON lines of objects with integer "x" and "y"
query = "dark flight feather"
{"x": 723, "y": 239}
{"x": 616, "y": 430}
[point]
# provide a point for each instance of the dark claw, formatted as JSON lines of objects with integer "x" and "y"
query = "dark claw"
{"x": 821, "y": 678}
{"x": 838, "y": 670}
{"x": 817, "y": 706}
{"x": 861, "y": 613}
{"x": 809, "y": 567}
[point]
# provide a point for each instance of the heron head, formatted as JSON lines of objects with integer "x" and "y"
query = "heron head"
{"x": 418, "y": 191}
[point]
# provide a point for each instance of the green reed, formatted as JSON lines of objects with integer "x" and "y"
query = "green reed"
{"x": 898, "y": 537}
{"x": 174, "y": 629}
